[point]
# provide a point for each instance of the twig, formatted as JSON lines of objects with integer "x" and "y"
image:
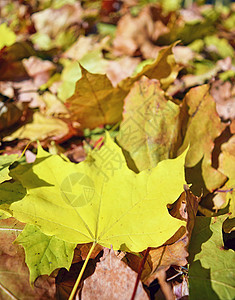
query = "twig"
{"x": 81, "y": 273}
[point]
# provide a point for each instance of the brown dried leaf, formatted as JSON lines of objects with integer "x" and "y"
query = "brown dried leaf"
{"x": 227, "y": 166}
{"x": 164, "y": 68}
{"x": 38, "y": 69}
{"x": 224, "y": 95}
{"x": 11, "y": 113}
{"x": 150, "y": 130}
{"x": 81, "y": 252}
{"x": 112, "y": 279}
{"x": 140, "y": 32}
{"x": 65, "y": 280}
{"x": 118, "y": 70}
{"x": 11, "y": 57}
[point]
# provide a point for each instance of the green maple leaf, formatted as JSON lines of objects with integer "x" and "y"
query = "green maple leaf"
{"x": 211, "y": 270}
{"x": 100, "y": 200}
{"x": 43, "y": 253}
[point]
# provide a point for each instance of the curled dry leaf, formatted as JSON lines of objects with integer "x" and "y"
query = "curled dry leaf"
{"x": 141, "y": 33}
{"x": 164, "y": 68}
{"x": 211, "y": 267}
{"x": 40, "y": 128}
{"x": 96, "y": 102}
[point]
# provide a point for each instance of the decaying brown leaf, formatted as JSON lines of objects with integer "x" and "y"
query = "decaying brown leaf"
{"x": 164, "y": 68}
{"x": 224, "y": 95}
{"x": 11, "y": 114}
{"x": 65, "y": 280}
{"x": 112, "y": 279}
{"x": 140, "y": 33}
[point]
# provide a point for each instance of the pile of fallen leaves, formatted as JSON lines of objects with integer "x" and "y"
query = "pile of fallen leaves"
{"x": 117, "y": 122}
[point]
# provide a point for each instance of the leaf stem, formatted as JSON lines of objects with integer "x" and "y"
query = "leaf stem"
{"x": 26, "y": 147}
{"x": 141, "y": 268}
{"x": 81, "y": 272}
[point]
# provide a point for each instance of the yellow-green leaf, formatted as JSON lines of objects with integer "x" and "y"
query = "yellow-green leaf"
{"x": 7, "y": 36}
{"x": 150, "y": 127}
{"x": 43, "y": 253}
{"x": 5, "y": 162}
{"x": 100, "y": 200}
{"x": 211, "y": 268}
{"x": 40, "y": 128}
